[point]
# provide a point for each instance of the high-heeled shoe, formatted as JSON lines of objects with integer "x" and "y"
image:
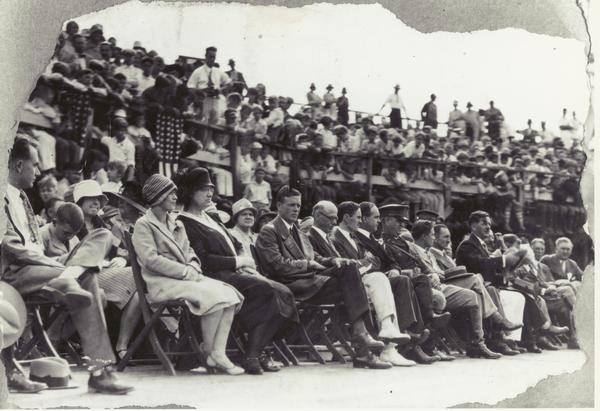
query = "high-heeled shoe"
{"x": 213, "y": 366}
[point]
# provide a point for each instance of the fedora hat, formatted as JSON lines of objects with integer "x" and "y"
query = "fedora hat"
{"x": 13, "y": 315}
{"x": 241, "y": 205}
{"x": 89, "y": 188}
{"x": 53, "y": 371}
{"x": 456, "y": 272}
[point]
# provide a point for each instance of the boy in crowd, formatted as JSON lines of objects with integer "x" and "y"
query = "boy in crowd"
{"x": 258, "y": 192}
{"x": 115, "y": 171}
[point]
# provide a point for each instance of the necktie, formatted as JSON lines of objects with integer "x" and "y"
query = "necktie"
{"x": 31, "y": 222}
{"x": 296, "y": 236}
{"x": 210, "y": 81}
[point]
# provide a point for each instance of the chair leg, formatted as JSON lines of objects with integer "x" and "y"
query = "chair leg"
{"x": 340, "y": 334}
{"x": 310, "y": 346}
{"x": 188, "y": 324}
{"x": 39, "y": 329}
{"x": 323, "y": 333}
{"x": 288, "y": 351}
{"x": 279, "y": 354}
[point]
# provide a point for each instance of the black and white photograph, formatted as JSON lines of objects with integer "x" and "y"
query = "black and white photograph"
{"x": 297, "y": 205}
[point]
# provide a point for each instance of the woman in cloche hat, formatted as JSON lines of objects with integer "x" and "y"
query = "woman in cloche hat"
{"x": 172, "y": 271}
{"x": 269, "y": 306}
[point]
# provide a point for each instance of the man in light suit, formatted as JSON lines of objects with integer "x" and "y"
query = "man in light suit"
{"x": 565, "y": 271}
{"x": 287, "y": 256}
{"x": 73, "y": 283}
{"x": 376, "y": 283}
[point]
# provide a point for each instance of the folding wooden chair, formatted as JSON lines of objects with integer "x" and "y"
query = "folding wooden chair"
{"x": 152, "y": 313}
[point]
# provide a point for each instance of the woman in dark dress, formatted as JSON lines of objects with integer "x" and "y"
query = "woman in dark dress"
{"x": 269, "y": 307}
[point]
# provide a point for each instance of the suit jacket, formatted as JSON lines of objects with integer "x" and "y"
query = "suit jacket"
{"x": 400, "y": 252}
{"x": 346, "y": 250}
{"x": 443, "y": 261}
{"x": 210, "y": 245}
{"x": 321, "y": 247}
{"x": 283, "y": 260}
{"x": 376, "y": 249}
{"x": 555, "y": 265}
{"x": 476, "y": 259}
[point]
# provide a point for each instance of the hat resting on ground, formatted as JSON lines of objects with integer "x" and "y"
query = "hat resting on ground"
{"x": 52, "y": 371}
{"x": 157, "y": 188}
{"x": 89, "y": 189}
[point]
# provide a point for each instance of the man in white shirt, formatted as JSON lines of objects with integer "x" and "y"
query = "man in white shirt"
{"x": 213, "y": 81}
{"x": 396, "y": 105}
{"x": 26, "y": 268}
{"x": 120, "y": 148}
{"x": 128, "y": 69}
{"x": 146, "y": 80}
{"x": 258, "y": 192}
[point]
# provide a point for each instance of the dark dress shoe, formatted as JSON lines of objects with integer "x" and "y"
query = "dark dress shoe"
{"x": 438, "y": 321}
{"x": 443, "y": 356}
{"x": 545, "y": 344}
{"x": 18, "y": 383}
{"x": 514, "y": 346}
{"x": 252, "y": 366}
{"x": 268, "y": 364}
{"x": 418, "y": 355}
{"x": 533, "y": 348}
{"x": 504, "y": 325}
{"x": 555, "y": 330}
{"x": 502, "y": 348}
{"x": 372, "y": 362}
{"x": 480, "y": 350}
{"x": 366, "y": 341}
{"x": 572, "y": 344}
{"x": 106, "y": 383}
{"x": 419, "y": 338}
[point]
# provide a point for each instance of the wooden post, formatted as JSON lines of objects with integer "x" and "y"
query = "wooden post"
{"x": 370, "y": 177}
{"x": 234, "y": 156}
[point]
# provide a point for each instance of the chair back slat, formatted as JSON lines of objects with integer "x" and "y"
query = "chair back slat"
{"x": 140, "y": 284}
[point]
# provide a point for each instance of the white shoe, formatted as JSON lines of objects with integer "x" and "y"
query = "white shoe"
{"x": 392, "y": 356}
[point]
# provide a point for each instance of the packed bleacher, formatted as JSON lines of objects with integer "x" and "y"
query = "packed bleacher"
{"x": 177, "y": 212}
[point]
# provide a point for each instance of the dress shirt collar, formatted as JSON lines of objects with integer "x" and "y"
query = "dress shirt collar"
{"x": 288, "y": 226}
{"x": 348, "y": 237}
{"x": 364, "y": 232}
{"x": 13, "y": 191}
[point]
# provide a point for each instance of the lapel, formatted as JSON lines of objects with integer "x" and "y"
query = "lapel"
{"x": 442, "y": 259}
{"x": 296, "y": 250}
{"x": 168, "y": 235}
{"x": 345, "y": 244}
{"x": 215, "y": 235}
{"x": 9, "y": 215}
{"x": 324, "y": 245}
{"x": 474, "y": 240}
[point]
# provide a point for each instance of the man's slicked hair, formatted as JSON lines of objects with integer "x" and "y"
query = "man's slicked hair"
{"x": 421, "y": 228}
{"x": 211, "y": 48}
{"x": 366, "y": 207}
{"x": 477, "y": 216}
{"x": 439, "y": 227}
{"x": 20, "y": 151}
{"x": 347, "y": 208}
{"x": 320, "y": 206}
{"x": 286, "y": 192}
{"x": 70, "y": 214}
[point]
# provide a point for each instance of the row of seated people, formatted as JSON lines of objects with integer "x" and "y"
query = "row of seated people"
{"x": 190, "y": 255}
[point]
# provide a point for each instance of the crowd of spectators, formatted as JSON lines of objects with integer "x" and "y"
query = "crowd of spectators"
{"x": 115, "y": 114}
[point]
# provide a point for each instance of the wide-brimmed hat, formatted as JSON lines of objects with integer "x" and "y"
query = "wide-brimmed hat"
{"x": 13, "y": 315}
{"x": 329, "y": 87}
{"x": 456, "y": 272}
{"x": 53, "y": 371}
{"x": 87, "y": 189}
{"x": 131, "y": 193}
{"x": 157, "y": 188}
{"x": 241, "y": 205}
{"x": 196, "y": 177}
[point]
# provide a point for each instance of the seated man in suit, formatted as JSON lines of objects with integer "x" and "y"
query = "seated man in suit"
{"x": 458, "y": 298}
{"x": 489, "y": 310}
{"x": 474, "y": 254}
{"x": 565, "y": 271}
{"x": 552, "y": 288}
{"x": 71, "y": 282}
{"x": 288, "y": 257}
{"x": 376, "y": 284}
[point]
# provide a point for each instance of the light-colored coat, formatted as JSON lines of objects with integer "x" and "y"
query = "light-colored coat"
{"x": 170, "y": 266}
